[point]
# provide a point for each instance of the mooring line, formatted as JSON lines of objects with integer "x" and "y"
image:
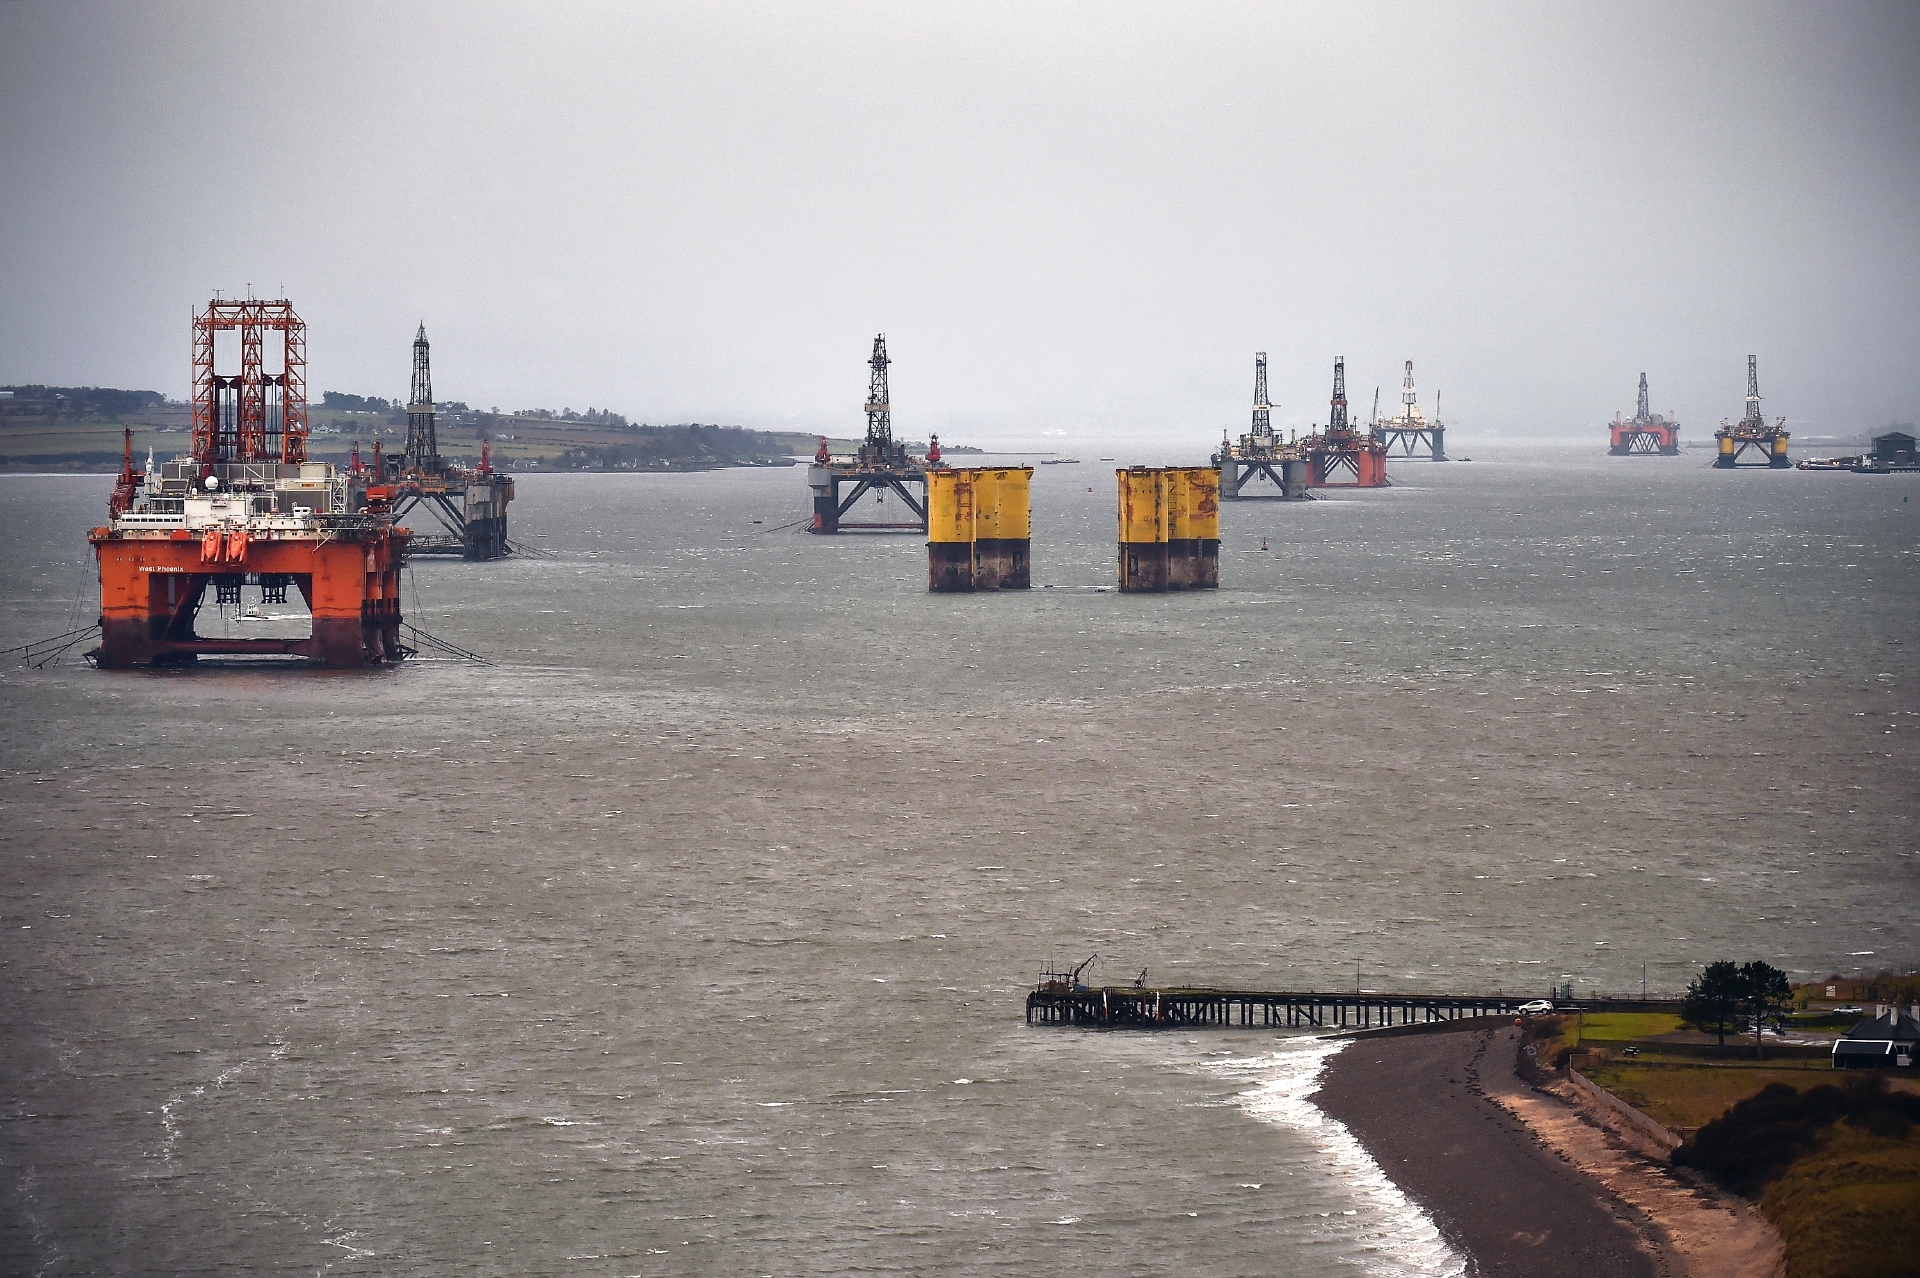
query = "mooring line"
{"x": 451, "y": 649}
{"x": 64, "y": 640}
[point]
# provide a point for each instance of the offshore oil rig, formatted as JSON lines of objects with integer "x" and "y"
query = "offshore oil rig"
{"x": 1341, "y": 456}
{"x": 470, "y": 505}
{"x": 1647, "y": 434}
{"x": 247, "y": 509}
{"x": 1410, "y": 432}
{"x": 881, "y": 466}
{"x": 1751, "y": 434}
{"x": 1261, "y": 454}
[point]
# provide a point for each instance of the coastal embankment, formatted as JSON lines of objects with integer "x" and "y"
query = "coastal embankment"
{"x": 1527, "y": 1182}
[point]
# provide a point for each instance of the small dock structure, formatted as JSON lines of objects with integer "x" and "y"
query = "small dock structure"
{"x": 979, "y": 529}
{"x": 1061, "y": 1001}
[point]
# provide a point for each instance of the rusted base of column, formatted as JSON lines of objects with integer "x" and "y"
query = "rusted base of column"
{"x": 959, "y": 567}
{"x": 1002, "y": 564}
{"x": 949, "y": 567}
{"x": 1186, "y": 564}
{"x": 1193, "y": 564}
{"x": 347, "y": 642}
{"x": 1143, "y": 565}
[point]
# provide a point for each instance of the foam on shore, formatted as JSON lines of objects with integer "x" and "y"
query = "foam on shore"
{"x": 1392, "y": 1234}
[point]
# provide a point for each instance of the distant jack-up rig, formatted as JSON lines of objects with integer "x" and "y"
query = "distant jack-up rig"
{"x": 470, "y": 505}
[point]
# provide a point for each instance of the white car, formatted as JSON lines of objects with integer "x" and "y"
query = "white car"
{"x": 1539, "y": 1007}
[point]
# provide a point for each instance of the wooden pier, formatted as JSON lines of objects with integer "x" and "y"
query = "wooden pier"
{"x": 1138, "y": 1007}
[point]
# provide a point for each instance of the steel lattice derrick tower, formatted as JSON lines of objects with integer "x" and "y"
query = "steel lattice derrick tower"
{"x": 879, "y": 410}
{"x": 230, "y": 418}
{"x": 253, "y": 390}
{"x": 1407, "y": 397}
{"x": 205, "y": 446}
{"x": 1753, "y": 417}
{"x": 1262, "y": 409}
{"x": 1643, "y": 414}
{"x": 423, "y": 449}
{"x": 293, "y": 387}
{"x": 1337, "y": 412}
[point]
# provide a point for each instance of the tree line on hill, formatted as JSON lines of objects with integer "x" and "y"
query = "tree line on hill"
{"x": 77, "y": 403}
{"x": 694, "y": 446}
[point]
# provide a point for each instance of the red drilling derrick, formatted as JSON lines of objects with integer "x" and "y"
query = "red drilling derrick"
{"x": 256, "y": 416}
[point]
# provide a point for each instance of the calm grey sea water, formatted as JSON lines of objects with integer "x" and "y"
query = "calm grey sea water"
{"x": 692, "y": 936}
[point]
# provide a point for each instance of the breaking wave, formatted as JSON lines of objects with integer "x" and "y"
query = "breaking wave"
{"x": 1390, "y": 1235}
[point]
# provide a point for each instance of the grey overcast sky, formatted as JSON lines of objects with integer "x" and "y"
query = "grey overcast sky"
{"x": 1073, "y": 222}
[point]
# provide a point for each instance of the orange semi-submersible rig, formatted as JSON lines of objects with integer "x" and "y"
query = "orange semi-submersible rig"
{"x": 246, "y": 507}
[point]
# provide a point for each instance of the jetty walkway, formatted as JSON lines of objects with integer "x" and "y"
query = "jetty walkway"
{"x": 1198, "y": 1007}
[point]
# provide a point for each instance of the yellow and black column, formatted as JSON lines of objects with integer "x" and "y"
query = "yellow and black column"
{"x": 1169, "y": 528}
{"x": 979, "y": 529}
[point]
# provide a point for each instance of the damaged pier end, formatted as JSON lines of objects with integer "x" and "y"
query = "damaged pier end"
{"x": 1169, "y": 528}
{"x": 1061, "y": 1000}
{"x": 979, "y": 529}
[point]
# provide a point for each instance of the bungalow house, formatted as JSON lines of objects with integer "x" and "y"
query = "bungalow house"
{"x": 1889, "y": 1039}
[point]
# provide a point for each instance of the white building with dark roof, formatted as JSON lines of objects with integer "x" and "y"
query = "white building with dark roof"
{"x": 1887, "y": 1041}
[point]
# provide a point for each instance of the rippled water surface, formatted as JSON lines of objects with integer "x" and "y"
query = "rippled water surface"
{"x": 692, "y": 935}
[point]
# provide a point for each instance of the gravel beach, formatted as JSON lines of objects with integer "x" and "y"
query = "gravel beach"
{"x": 1427, "y": 1108}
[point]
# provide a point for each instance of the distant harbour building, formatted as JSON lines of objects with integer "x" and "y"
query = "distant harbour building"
{"x": 1894, "y": 449}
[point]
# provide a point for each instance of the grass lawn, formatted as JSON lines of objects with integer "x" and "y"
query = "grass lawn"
{"x": 1623, "y": 1027}
{"x": 1691, "y": 1094}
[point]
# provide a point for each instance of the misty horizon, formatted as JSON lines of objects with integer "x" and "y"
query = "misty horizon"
{"x": 1075, "y": 226}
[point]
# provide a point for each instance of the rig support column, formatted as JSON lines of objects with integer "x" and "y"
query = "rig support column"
{"x": 1169, "y": 529}
{"x": 979, "y": 529}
